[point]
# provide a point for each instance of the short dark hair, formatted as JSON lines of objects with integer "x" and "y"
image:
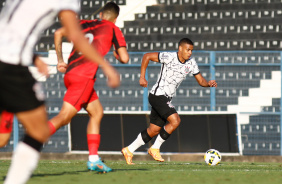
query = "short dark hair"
{"x": 112, "y": 8}
{"x": 185, "y": 41}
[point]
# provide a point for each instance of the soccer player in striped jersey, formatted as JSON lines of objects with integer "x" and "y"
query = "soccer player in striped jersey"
{"x": 175, "y": 67}
{"x": 21, "y": 24}
{"x": 81, "y": 75}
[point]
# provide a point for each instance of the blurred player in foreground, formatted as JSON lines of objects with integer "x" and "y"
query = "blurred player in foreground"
{"x": 80, "y": 78}
{"x": 21, "y": 23}
{"x": 175, "y": 67}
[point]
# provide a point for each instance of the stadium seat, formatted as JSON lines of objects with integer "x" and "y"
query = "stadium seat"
{"x": 177, "y": 15}
{"x": 168, "y": 30}
{"x": 266, "y": 14}
{"x": 132, "y": 46}
{"x": 144, "y": 30}
{"x": 227, "y": 15}
{"x": 141, "y": 16}
{"x": 222, "y": 45}
{"x": 194, "y": 30}
{"x": 153, "y": 16}
{"x": 206, "y": 29}
{"x": 164, "y": 16}
{"x": 157, "y": 46}
{"x": 232, "y": 29}
{"x": 215, "y": 15}
{"x": 246, "y": 28}
{"x": 208, "y": 45}
{"x": 203, "y": 15}
{"x": 145, "y": 46}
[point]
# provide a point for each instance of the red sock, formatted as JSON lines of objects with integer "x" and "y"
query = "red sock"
{"x": 93, "y": 141}
{"x": 52, "y": 128}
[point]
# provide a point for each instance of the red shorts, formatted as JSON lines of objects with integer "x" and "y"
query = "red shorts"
{"x": 6, "y": 122}
{"x": 80, "y": 91}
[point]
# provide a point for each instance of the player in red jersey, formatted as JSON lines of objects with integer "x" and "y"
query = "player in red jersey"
{"x": 6, "y": 124}
{"x": 80, "y": 78}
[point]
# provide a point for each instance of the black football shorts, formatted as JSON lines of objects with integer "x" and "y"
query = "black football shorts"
{"x": 161, "y": 109}
{"x": 19, "y": 91}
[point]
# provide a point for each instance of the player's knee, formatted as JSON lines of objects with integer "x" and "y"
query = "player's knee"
{"x": 100, "y": 114}
{"x": 4, "y": 139}
{"x": 153, "y": 131}
{"x": 175, "y": 123}
{"x": 64, "y": 119}
{"x": 3, "y": 143}
{"x": 45, "y": 135}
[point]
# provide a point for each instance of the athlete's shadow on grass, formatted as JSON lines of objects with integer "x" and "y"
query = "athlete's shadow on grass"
{"x": 83, "y": 171}
{"x": 77, "y": 172}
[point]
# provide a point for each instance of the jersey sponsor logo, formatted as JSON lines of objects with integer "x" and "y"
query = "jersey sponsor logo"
{"x": 170, "y": 104}
{"x": 39, "y": 93}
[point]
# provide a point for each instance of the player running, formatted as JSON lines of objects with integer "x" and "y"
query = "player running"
{"x": 175, "y": 67}
{"x": 80, "y": 78}
{"x": 21, "y": 24}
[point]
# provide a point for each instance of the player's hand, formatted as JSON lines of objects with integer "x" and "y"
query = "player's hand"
{"x": 212, "y": 83}
{"x": 116, "y": 55}
{"x": 112, "y": 74}
{"x": 62, "y": 67}
{"x": 41, "y": 66}
{"x": 143, "y": 82}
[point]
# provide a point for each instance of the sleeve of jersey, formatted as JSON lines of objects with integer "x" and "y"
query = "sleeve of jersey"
{"x": 118, "y": 38}
{"x": 195, "y": 69}
{"x": 165, "y": 57}
{"x": 72, "y": 5}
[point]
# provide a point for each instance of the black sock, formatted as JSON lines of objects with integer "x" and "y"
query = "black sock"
{"x": 32, "y": 142}
{"x": 164, "y": 135}
{"x": 145, "y": 136}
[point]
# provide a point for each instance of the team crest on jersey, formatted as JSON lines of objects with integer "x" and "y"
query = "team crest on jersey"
{"x": 187, "y": 69}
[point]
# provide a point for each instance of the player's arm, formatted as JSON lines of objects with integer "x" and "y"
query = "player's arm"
{"x": 121, "y": 54}
{"x": 154, "y": 56}
{"x": 74, "y": 34}
{"x": 58, "y": 40}
{"x": 41, "y": 66}
{"x": 202, "y": 81}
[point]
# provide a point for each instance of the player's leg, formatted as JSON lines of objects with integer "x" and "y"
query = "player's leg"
{"x": 166, "y": 131}
{"x": 4, "y": 138}
{"x": 145, "y": 136}
{"x": 26, "y": 155}
{"x": 95, "y": 112}
{"x": 6, "y": 124}
{"x": 167, "y": 113}
{"x": 78, "y": 92}
{"x": 64, "y": 117}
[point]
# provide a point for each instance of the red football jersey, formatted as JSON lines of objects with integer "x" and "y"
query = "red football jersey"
{"x": 102, "y": 35}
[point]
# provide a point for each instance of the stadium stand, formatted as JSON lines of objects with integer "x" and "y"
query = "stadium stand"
{"x": 228, "y": 27}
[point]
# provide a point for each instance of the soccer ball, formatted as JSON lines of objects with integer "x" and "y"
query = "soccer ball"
{"x": 212, "y": 157}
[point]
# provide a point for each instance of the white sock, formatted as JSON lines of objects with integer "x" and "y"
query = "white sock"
{"x": 93, "y": 158}
{"x": 136, "y": 144}
{"x": 158, "y": 142}
{"x": 24, "y": 162}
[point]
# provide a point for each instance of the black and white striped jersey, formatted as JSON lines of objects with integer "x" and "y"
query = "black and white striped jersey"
{"x": 172, "y": 73}
{"x": 21, "y": 25}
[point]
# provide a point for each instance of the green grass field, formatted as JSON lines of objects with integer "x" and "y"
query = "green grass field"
{"x": 151, "y": 172}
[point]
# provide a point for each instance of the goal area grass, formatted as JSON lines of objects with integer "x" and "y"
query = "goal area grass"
{"x": 152, "y": 172}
